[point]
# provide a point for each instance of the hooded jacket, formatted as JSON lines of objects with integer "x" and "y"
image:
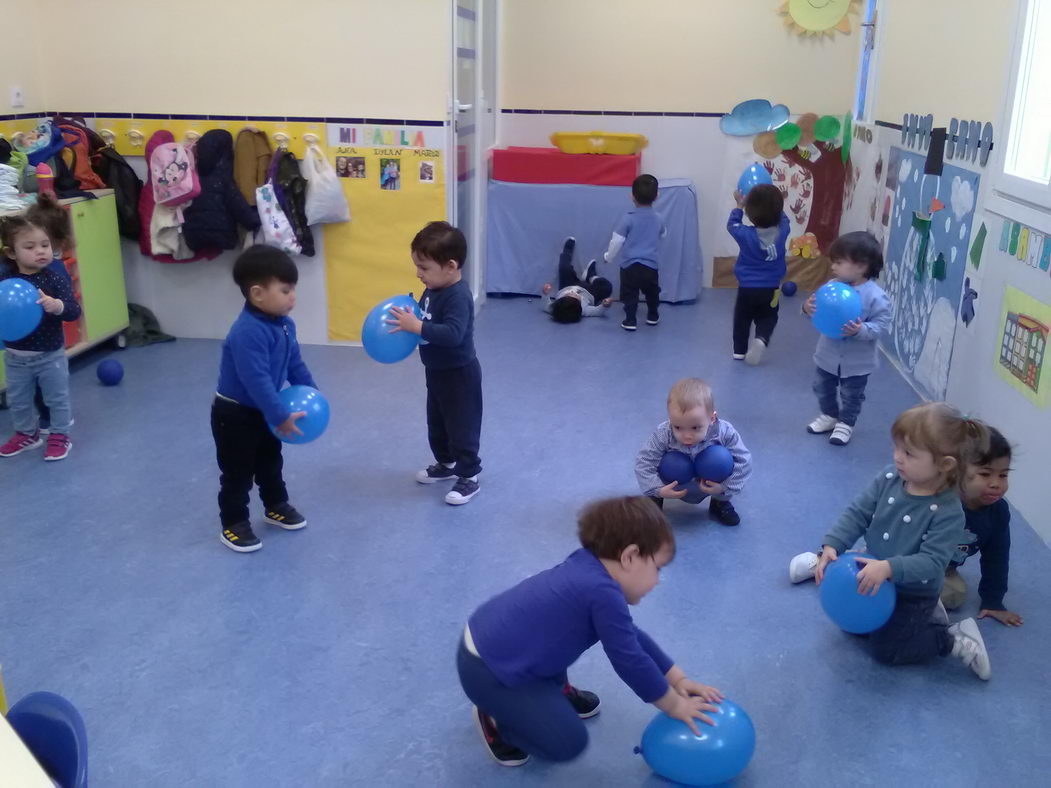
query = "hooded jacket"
{"x": 211, "y": 219}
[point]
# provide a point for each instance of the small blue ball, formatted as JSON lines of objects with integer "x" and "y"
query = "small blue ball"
{"x": 789, "y": 288}
{"x": 110, "y": 372}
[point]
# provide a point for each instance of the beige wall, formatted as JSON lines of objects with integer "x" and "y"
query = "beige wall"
{"x": 372, "y": 58}
{"x": 946, "y": 57}
{"x": 668, "y": 55}
{"x": 20, "y": 61}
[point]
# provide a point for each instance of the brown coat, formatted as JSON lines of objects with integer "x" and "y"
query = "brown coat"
{"x": 252, "y": 154}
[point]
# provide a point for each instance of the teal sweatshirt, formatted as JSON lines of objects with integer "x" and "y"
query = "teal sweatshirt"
{"x": 917, "y": 534}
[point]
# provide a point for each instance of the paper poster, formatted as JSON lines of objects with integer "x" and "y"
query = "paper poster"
{"x": 978, "y": 245}
{"x": 1021, "y": 358}
{"x": 863, "y": 193}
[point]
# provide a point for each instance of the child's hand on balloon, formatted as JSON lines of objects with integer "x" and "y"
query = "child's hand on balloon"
{"x": 690, "y": 709}
{"x": 689, "y": 688}
{"x": 672, "y": 490}
{"x": 288, "y": 426}
{"x": 827, "y": 554}
{"x": 53, "y": 306}
{"x": 710, "y": 488}
{"x": 851, "y": 328}
{"x": 810, "y": 305}
{"x": 739, "y": 198}
{"x": 404, "y": 320}
{"x": 873, "y": 574}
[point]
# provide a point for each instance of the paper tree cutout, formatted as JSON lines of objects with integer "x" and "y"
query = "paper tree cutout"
{"x": 818, "y": 17}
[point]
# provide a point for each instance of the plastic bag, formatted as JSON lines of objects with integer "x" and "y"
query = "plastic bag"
{"x": 276, "y": 229}
{"x": 325, "y": 203}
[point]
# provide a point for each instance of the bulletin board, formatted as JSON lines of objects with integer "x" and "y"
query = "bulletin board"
{"x": 394, "y": 180}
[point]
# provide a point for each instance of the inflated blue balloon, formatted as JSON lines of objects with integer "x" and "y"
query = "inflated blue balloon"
{"x": 714, "y": 464}
{"x": 110, "y": 372}
{"x": 752, "y": 177}
{"x": 314, "y": 404}
{"x": 854, "y": 612}
{"x": 675, "y": 467}
{"x": 837, "y": 303}
{"x": 789, "y": 288}
{"x": 376, "y": 336}
{"x": 20, "y": 313}
{"x": 719, "y": 754}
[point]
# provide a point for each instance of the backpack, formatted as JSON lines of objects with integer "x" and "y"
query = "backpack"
{"x": 119, "y": 176}
{"x": 77, "y": 157}
{"x": 174, "y": 174}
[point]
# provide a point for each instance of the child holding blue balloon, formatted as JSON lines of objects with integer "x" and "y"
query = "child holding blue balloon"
{"x": 516, "y": 648}
{"x": 912, "y": 521}
{"x": 759, "y": 269}
{"x": 845, "y": 362}
{"x": 692, "y": 426}
{"x": 260, "y": 353}
{"x": 35, "y": 355}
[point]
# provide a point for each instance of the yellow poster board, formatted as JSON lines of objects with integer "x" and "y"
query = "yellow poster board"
{"x": 1022, "y": 357}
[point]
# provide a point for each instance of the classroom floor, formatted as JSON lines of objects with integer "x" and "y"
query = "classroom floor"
{"x": 326, "y": 659}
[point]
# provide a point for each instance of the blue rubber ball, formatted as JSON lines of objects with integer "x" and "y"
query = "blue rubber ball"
{"x": 675, "y": 467}
{"x": 714, "y": 464}
{"x": 313, "y": 403}
{"x": 789, "y": 288}
{"x": 110, "y": 372}
{"x": 851, "y": 611}
{"x": 719, "y": 754}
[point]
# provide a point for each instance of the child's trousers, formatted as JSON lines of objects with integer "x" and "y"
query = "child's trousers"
{"x": 454, "y": 416}
{"x": 910, "y": 635}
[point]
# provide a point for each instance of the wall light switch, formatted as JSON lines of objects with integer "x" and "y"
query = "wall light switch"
{"x": 18, "y": 99}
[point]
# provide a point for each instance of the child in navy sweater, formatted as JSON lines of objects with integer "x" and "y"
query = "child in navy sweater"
{"x": 516, "y": 648}
{"x": 454, "y": 376}
{"x": 259, "y": 354}
{"x": 987, "y": 530}
{"x": 39, "y": 359}
{"x": 759, "y": 269}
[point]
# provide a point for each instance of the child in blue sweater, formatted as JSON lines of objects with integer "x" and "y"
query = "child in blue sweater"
{"x": 260, "y": 353}
{"x": 516, "y": 648}
{"x": 912, "y": 521}
{"x": 987, "y": 531}
{"x": 759, "y": 269}
{"x": 636, "y": 241}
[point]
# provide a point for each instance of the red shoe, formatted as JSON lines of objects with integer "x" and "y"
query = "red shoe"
{"x": 58, "y": 446}
{"x": 20, "y": 442}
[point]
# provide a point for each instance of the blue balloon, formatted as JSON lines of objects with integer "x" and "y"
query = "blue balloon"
{"x": 110, "y": 372}
{"x": 20, "y": 313}
{"x": 376, "y": 336}
{"x": 675, "y": 467}
{"x": 311, "y": 401}
{"x": 719, "y": 754}
{"x": 789, "y": 288}
{"x": 714, "y": 464}
{"x": 851, "y": 611}
{"x": 751, "y": 177}
{"x": 837, "y": 304}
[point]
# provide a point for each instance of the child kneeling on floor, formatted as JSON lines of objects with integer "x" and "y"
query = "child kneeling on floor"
{"x": 516, "y": 648}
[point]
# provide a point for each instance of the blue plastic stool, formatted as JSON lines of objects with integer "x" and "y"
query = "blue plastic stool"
{"x": 53, "y": 730}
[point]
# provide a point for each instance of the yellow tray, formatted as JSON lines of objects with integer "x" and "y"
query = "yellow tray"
{"x": 598, "y": 142}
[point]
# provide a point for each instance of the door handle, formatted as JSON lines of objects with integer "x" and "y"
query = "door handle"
{"x": 463, "y": 107}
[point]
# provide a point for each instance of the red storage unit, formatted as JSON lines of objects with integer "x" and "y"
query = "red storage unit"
{"x": 550, "y": 165}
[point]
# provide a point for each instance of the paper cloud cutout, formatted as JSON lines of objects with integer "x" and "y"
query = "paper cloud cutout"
{"x": 753, "y": 117}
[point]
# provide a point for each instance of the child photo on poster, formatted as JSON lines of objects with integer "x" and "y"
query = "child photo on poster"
{"x": 390, "y": 174}
{"x": 343, "y": 166}
{"x": 427, "y": 172}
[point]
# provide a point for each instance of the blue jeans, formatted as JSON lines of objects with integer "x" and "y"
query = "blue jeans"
{"x": 51, "y": 372}
{"x": 851, "y": 392}
{"x": 910, "y": 636}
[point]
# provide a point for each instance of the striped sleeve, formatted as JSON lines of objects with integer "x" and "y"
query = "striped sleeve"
{"x": 649, "y": 458}
{"x": 730, "y": 438}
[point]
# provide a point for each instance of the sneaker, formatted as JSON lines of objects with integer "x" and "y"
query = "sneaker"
{"x": 58, "y": 446}
{"x": 802, "y": 567}
{"x": 586, "y": 704}
{"x": 724, "y": 512}
{"x": 629, "y": 325}
{"x": 464, "y": 490}
{"x": 969, "y": 647}
{"x": 439, "y": 472}
{"x": 502, "y": 752}
{"x": 755, "y": 352}
{"x": 940, "y": 614}
{"x": 590, "y": 272}
{"x": 821, "y": 424}
{"x": 20, "y": 442}
{"x": 739, "y": 356}
{"x": 841, "y": 434}
{"x": 284, "y": 515}
{"x": 240, "y": 538}
{"x": 653, "y": 319}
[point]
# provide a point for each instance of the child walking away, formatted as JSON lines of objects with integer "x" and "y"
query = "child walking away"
{"x": 845, "y": 364}
{"x": 636, "y": 240}
{"x": 987, "y": 523}
{"x": 39, "y": 359}
{"x": 759, "y": 269}
{"x": 454, "y": 377}
{"x": 259, "y": 354}
{"x": 912, "y": 521}
{"x": 576, "y": 297}
{"x": 516, "y": 648}
{"x": 692, "y": 427}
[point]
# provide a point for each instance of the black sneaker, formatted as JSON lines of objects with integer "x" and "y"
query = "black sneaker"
{"x": 629, "y": 325}
{"x": 502, "y": 752}
{"x": 240, "y": 538}
{"x": 464, "y": 490}
{"x": 653, "y": 319}
{"x": 439, "y": 472}
{"x": 284, "y": 515}
{"x": 586, "y": 704}
{"x": 724, "y": 512}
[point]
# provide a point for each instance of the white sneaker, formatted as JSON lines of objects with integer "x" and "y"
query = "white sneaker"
{"x": 970, "y": 648}
{"x": 822, "y": 424}
{"x": 802, "y": 567}
{"x": 464, "y": 490}
{"x": 739, "y": 356}
{"x": 841, "y": 434}
{"x": 439, "y": 472}
{"x": 755, "y": 352}
{"x": 940, "y": 614}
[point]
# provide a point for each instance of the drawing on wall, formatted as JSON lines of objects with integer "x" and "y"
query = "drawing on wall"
{"x": 808, "y": 18}
{"x": 970, "y": 295}
{"x": 1026, "y": 245}
{"x": 863, "y": 194}
{"x": 1022, "y": 353}
{"x": 926, "y": 250}
{"x": 811, "y": 180}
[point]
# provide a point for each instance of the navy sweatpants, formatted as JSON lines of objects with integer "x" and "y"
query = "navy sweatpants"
{"x": 454, "y": 416}
{"x": 536, "y": 718}
{"x": 910, "y": 636}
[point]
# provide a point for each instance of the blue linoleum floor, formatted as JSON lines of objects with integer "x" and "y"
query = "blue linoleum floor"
{"x": 326, "y": 659}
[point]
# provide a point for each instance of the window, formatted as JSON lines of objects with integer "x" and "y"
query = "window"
{"x": 866, "y": 64}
